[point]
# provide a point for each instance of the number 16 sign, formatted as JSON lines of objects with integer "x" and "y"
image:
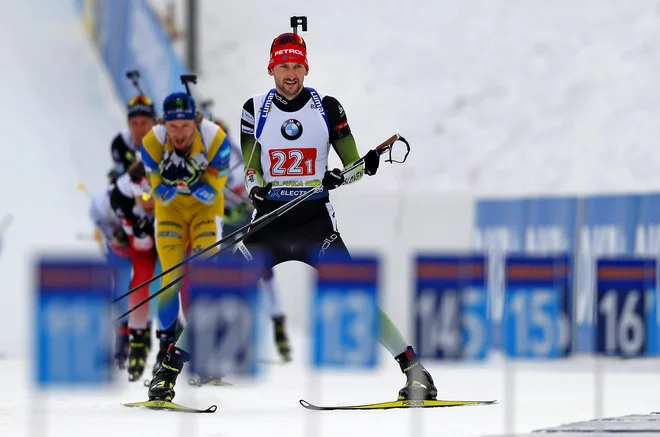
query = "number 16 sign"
{"x": 626, "y": 307}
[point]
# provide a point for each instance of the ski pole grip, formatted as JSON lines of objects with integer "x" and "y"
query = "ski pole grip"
{"x": 387, "y": 144}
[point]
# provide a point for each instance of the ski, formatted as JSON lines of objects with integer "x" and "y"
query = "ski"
{"x": 213, "y": 382}
{"x": 276, "y": 362}
{"x": 170, "y": 406}
{"x": 395, "y": 404}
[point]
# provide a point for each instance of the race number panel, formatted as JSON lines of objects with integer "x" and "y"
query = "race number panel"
{"x": 74, "y": 323}
{"x": 345, "y": 316}
{"x": 451, "y": 307}
{"x": 293, "y": 162}
{"x": 223, "y": 317}
{"x": 626, "y": 301}
{"x": 536, "y": 321}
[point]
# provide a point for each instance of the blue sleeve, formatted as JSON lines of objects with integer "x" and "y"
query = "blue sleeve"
{"x": 220, "y": 161}
{"x": 149, "y": 164}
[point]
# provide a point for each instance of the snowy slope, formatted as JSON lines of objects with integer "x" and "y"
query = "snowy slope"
{"x": 538, "y": 395}
{"x": 495, "y": 96}
{"x": 59, "y": 114}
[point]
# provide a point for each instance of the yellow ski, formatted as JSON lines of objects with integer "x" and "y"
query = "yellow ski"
{"x": 396, "y": 404}
{"x": 170, "y": 406}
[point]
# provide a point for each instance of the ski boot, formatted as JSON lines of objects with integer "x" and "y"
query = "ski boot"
{"x": 281, "y": 339}
{"x": 148, "y": 338}
{"x": 166, "y": 338}
{"x": 137, "y": 357}
{"x": 419, "y": 383}
{"x": 122, "y": 345}
{"x": 161, "y": 387}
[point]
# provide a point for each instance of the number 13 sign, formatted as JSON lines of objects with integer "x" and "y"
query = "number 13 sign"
{"x": 345, "y": 315}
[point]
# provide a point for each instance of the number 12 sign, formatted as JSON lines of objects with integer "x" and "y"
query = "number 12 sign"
{"x": 223, "y": 328}
{"x": 626, "y": 302}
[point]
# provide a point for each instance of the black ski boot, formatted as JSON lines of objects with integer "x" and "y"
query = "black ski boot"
{"x": 165, "y": 339}
{"x": 162, "y": 385}
{"x": 122, "y": 343}
{"x": 149, "y": 331}
{"x": 281, "y": 339}
{"x": 419, "y": 383}
{"x": 137, "y": 357}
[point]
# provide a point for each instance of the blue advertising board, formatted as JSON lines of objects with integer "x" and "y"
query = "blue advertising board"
{"x": 345, "y": 318}
{"x": 607, "y": 228}
{"x": 499, "y": 229}
{"x": 647, "y": 231}
{"x": 223, "y": 323}
{"x": 451, "y": 307}
{"x": 130, "y": 36}
{"x": 626, "y": 307}
{"x": 541, "y": 226}
{"x": 74, "y": 326}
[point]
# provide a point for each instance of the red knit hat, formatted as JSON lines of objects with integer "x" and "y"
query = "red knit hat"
{"x": 288, "y": 47}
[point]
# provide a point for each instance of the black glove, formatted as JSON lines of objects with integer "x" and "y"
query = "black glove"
{"x": 332, "y": 179}
{"x": 371, "y": 162}
{"x": 120, "y": 239}
{"x": 169, "y": 172}
{"x": 143, "y": 226}
{"x": 258, "y": 196}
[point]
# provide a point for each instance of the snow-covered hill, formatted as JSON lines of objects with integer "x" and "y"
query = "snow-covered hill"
{"x": 59, "y": 114}
{"x": 496, "y": 97}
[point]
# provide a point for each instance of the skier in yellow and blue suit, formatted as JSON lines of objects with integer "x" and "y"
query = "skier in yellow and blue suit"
{"x": 187, "y": 160}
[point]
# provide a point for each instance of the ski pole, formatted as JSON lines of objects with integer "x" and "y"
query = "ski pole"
{"x": 203, "y": 251}
{"x": 384, "y": 146}
{"x": 134, "y": 77}
{"x": 82, "y": 187}
{"x": 254, "y": 226}
{"x": 271, "y": 216}
{"x": 6, "y": 221}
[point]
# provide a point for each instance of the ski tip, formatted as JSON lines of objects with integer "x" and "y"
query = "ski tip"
{"x": 310, "y": 406}
{"x": 212, "y": 408}
{"x": 280, "y": 362}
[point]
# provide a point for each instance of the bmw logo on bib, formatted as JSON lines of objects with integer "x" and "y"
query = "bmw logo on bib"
{"x": 291, "y": 129}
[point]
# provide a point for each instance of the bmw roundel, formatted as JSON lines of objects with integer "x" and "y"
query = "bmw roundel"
{"x": 291, "y": 129}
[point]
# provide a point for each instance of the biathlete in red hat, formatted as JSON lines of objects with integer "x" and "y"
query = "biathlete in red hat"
{"x": 286, "y": 136}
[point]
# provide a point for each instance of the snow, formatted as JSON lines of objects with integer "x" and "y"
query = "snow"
{"x": 60, "y": 114}
{"x": 495, "y": 97}
{"x": 539, "y": 395}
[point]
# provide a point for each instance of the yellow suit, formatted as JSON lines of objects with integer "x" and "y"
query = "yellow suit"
{"x": 192, "y": 217}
